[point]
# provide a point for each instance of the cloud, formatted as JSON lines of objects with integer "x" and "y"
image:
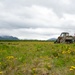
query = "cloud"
{"x": 30, "y": 33}
{"x": 36, "y": 19}
{"x": 29, "y": 17}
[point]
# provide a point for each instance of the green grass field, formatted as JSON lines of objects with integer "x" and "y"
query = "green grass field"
{"x": 36, "y": 58}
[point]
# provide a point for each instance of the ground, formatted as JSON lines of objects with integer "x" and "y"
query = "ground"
{"x": 36, "y": 58}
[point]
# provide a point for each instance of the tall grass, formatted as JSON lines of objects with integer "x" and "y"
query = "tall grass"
{"x": 36, "y": 58}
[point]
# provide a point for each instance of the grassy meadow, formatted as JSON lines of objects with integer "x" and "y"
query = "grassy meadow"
{"x": 36, "y": 58}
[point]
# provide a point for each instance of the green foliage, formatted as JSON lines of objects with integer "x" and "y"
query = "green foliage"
{"x": 36, "y": 58}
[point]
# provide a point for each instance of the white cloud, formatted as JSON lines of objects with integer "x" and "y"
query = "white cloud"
{"x": 67, "y": 2}
{"x": 30, "y": 33}
{"x": 35, "y": 16}
{"x": 36, "y": 19}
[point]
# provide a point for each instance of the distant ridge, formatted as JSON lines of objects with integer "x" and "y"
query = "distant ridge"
{"x": 8, "y": 38}
{"x": 52, "y": 39}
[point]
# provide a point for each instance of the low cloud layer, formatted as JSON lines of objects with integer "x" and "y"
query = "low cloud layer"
{"x": 29, "y": 19}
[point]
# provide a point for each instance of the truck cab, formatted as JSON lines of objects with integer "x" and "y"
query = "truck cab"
{"x": 64, "y": 38}
{"x": 64, "y": 34}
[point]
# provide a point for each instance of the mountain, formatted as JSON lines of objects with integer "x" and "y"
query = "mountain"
{"x": 52, "y": 39}
{"x": 8, "y": 38}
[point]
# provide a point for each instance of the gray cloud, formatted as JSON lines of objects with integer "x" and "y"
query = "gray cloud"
{"x": 30, "y": 33}
{"x": 36, "y": 19}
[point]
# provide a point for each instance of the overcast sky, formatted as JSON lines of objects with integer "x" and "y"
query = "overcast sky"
{"x": 37, "y": 19}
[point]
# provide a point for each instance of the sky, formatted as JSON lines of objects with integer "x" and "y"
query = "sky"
{"x": 37, "y": 19}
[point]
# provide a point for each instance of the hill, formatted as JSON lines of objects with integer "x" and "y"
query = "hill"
{"x": 8, "y": 38}
{"x": 52, "y": 39}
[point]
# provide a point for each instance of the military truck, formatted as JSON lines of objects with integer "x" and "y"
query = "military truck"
{"x": 65, "y": 38}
